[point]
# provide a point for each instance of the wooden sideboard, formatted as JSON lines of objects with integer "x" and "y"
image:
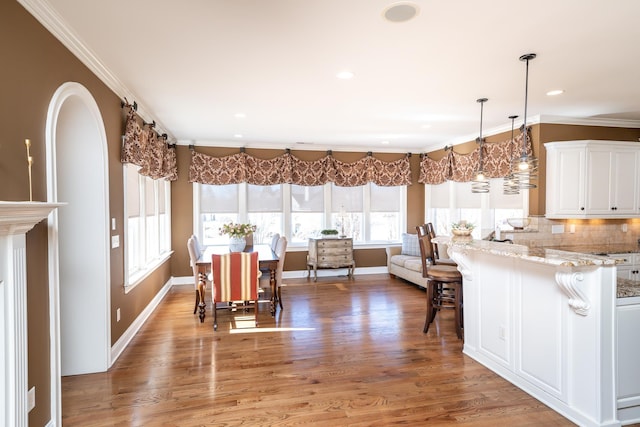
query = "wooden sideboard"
{"x": 330, "y": 253}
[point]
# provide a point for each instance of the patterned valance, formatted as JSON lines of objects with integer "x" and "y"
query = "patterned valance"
{"x": 143, "y": 147}
{"x": 288, "y": 169}
{"x": 496, "y": 161}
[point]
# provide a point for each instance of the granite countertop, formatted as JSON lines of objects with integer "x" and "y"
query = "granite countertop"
{"x": 611, "y": 248}
{"x": 540, "y": 255}
{"x": 628, "y": 288}
{"x": 570, "y": 256}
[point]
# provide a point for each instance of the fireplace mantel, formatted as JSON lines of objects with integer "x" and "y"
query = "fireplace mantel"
{"x": 20, "y": 217}
{"x": 16, "y": 218}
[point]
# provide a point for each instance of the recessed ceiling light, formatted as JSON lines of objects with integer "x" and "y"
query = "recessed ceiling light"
{"x": 239, "y": 115}
{"x": 400, "y": 12}
{"x": 555, "y": 92}
{"x": 344, "y": 75}
{"x": 237, "y": 135}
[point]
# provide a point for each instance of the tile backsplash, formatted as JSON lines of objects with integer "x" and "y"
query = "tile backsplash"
{"x": 543, "y": 232}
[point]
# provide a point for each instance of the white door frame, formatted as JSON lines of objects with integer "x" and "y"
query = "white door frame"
{"x": 97, "y": 309}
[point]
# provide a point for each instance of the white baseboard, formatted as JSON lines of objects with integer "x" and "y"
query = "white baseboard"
{"x": 125, "y": 339}
{"x": 330, "y": 272}
{"x": 182, "y": 280}
{"x": 301, "y": 274}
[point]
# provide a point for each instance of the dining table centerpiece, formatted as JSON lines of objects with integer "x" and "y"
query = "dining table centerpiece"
{"x": 237, "y": 234}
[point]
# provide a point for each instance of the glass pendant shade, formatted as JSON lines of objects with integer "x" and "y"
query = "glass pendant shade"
{"x": 527, "y": 166}
{"x": 480, "y": 183}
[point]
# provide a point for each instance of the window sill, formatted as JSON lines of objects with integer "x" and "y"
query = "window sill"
{"x": 140, "y": 276}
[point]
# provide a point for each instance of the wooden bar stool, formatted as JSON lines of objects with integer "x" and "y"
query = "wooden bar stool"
{"x": 444, "y": 286}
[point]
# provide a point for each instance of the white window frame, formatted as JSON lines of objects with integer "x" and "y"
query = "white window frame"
{"x": 286, "y": 213}
{"x": 487, "y": 224}
{"x": 148, "y": 262}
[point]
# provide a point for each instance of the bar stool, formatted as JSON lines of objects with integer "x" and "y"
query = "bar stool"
{"x": 444, "y": 286}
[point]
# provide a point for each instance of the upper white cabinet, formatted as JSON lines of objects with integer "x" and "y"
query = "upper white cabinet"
{"x": 593, "y": 179}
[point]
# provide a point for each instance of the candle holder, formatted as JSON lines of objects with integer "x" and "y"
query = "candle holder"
{"x": 27, "y": 142}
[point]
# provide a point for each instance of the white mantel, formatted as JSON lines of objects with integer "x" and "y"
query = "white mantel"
{"x": 16, "y": 218}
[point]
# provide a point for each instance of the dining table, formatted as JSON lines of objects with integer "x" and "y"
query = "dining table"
{"x": 267, "y": 260}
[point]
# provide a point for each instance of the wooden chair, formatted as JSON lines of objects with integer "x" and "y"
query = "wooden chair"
{"x": 427, "y": 229}
{"x": 235, "y": 278}
{"x": 194, "y": 254}
{"x": 281, "y": 251}
{"x": 444, "y": 286}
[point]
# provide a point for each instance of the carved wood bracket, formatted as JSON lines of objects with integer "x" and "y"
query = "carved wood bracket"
{"x": 568, "y": 282}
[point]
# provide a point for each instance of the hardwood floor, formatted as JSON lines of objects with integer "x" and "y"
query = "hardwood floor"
{"x": 342, "y": 352}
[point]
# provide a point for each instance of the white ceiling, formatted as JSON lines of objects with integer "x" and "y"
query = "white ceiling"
{"x": 192, "y": 65}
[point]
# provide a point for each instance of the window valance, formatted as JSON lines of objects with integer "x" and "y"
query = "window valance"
{"x": 288, "y": 169}
{"x": 143, "y": 147}
{"x": 497, "y": 158}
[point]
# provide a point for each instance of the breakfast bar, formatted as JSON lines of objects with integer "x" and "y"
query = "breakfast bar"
{"x": 547, "y": 321}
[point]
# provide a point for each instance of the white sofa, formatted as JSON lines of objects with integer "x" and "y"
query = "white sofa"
{"x": 408, "y": 267}
{"x": 405, "y": 261}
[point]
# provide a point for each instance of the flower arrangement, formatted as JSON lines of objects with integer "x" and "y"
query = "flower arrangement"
{"x": 237, "y": 230}
{"x": 462, "y": 228}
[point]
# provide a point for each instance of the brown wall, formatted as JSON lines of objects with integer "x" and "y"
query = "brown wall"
{"x": 182, "y": 202}
{"x": 34, "y": 66}
{"x": 542, "y": 133}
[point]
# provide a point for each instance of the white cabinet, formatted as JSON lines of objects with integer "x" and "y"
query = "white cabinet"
{"x": 628, "y": 266}
{"x": 628, "y": 348}
{"x": 592, "y": 179}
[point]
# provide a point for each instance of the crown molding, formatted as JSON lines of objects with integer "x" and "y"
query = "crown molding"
{"x": 604, "y": 122}
{"x": 56, "y": 25}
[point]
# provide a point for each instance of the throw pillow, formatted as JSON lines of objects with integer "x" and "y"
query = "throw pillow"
{"x": 410, "y": 245}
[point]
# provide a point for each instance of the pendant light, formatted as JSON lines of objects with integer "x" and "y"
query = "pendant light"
{"x": 527, "y": 171}
{"x": 511, "y": 182}
{"x": 480, "y": 184}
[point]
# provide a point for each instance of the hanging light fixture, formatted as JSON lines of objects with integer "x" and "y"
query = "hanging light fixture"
{"x": 480, "y": 184}
{"x": 511, "y": 183}
{"x": 527, "y": 171}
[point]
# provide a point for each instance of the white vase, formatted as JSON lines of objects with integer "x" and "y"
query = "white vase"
{"x": 237, "y": 244}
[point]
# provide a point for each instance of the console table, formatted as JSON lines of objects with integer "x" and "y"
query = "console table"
{"x": 330, "y": 253}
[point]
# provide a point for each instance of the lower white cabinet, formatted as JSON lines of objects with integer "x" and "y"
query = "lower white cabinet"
{"x": 628, "y": 349}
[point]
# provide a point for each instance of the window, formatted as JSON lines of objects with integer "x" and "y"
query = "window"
{"x": 367, "y": 213}
{"x": 148, "y": 226}
{"x": 453, "y": 201}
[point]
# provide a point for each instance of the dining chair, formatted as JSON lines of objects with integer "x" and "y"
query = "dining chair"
{"x": 274, "y": 241}
{"x": 194, "y": 254}
{"x": 281, "y": 252}
{"x": 444, "y": 287}
{"x": 235, "y": 278}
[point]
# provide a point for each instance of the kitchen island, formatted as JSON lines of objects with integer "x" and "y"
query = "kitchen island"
{"x": 546, "y": 321}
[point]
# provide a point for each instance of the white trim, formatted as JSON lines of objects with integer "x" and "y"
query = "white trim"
{"x": 56, "y": 25}
{"x": 150, "y": 268}
{"x": 16, "y": 218}
{"x": 58, "y": 99}
{"x": 132, "y": 330}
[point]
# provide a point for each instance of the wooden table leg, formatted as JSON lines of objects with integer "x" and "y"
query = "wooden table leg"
{"x": 274, "y": 296}
{"x": 202, "y": 285}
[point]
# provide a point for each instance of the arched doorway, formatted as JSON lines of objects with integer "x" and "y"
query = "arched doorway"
{"x": 79, "y": 273}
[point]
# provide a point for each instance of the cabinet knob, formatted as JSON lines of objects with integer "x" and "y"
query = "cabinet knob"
{"x": 582, "y": 208}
